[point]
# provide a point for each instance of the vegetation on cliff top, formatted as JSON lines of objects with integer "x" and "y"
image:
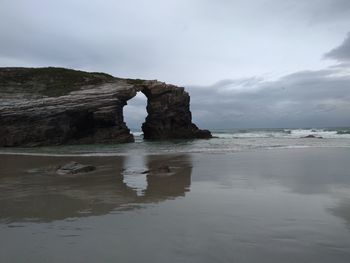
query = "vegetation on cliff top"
{"x": 49, "y": 81}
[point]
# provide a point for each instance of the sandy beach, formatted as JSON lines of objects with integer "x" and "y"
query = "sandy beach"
{"x": 289, "y": 205}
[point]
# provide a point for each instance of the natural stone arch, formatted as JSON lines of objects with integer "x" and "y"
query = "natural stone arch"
{"x": 52, "y": 106}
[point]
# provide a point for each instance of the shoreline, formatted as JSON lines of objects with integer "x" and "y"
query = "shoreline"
{"x": 125, "y": 154}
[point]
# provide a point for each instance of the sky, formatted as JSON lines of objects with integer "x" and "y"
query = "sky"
{"x": 245, "y": 63}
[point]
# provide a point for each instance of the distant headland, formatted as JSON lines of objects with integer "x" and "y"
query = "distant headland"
{"x": 55, "y": 106}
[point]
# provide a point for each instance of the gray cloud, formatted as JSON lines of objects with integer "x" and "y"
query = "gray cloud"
{"x": 342, "y": 52}
{"x": 312, "y": 11}
{"x": 302, "y": 99}
{"x": 178, "y": 41}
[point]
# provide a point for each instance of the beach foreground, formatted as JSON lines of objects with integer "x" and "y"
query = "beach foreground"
{"x": 284, "y": 205}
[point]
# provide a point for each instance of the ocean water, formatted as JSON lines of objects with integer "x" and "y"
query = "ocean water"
{"x": 224, "y": 141}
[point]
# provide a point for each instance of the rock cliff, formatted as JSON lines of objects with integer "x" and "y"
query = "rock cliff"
{"x": 53, "y": 106}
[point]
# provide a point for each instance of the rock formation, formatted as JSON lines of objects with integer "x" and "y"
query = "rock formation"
{"x": 169, "y": 114}
{"x": 52, "y": 106}
{"x": 311, "y": 136}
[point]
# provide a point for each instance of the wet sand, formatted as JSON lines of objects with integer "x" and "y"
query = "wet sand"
{"x": 290, "y": 205}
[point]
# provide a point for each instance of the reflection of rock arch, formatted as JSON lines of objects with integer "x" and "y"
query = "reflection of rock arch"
{"x": 40, "y": 196}
{"x": 168, "y": 176}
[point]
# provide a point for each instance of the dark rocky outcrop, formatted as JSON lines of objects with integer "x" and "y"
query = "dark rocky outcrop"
{"x": 169, "y": 114}
{"x": 311, "y": 136}
{"x": 52, "y": 106}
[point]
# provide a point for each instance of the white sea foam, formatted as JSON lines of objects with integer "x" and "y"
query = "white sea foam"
{"x": 136, "y": 133}
{"x": 284, "y": 133}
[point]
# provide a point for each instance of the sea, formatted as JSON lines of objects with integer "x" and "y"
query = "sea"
{"x": 224, "y": 141}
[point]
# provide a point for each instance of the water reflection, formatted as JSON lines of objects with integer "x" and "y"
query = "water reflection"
{"x": 301, "y": 171}
{"x": 314, "y": 175}
{"x": 342, "y": 210}
{"x": 28, "y": 192}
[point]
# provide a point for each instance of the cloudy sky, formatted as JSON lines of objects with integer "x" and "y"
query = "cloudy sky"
{"x": 246, "y": 63}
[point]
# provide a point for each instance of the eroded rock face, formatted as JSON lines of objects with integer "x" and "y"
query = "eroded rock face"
{"x": 53, "y": 106}
{"x": 169, "y": 115}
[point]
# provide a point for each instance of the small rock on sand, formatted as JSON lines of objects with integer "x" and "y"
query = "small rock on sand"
{"x": 74, "y": 168}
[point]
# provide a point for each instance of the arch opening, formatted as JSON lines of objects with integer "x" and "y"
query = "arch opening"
{"x": 135, "y": 114}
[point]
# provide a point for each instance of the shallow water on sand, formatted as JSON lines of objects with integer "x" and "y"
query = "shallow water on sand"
{"x": 290, "y": 205}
